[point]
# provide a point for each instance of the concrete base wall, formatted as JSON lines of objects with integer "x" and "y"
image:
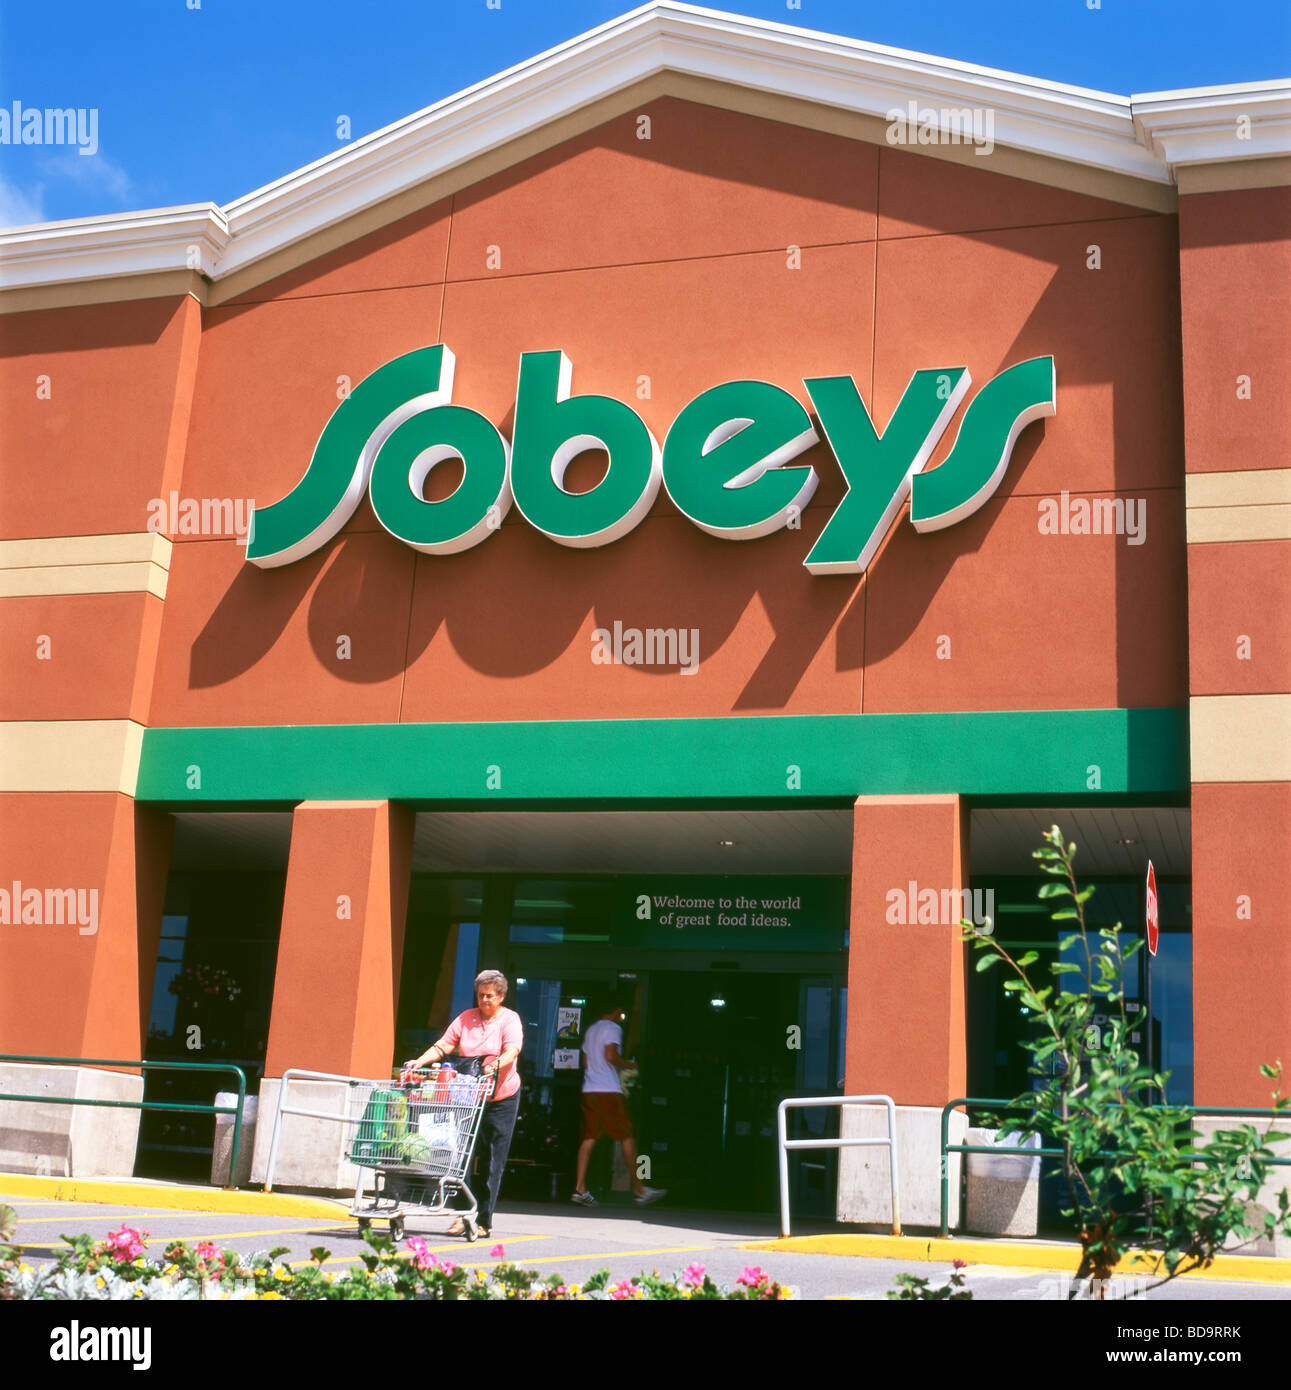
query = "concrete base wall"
{"x": 1001, "y": 1194}
{"x": 68, "y": 1141}
{"x": 1279, "y": 1180}
{"x": 222, "y": 1154}
{"x": 311, "y": 1152}
{"x": 864, "y": 1190}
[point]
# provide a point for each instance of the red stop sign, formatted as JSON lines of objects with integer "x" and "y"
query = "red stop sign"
{"x": 1153, "y": 910}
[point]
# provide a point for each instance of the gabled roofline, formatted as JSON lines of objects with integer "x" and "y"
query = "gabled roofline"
{"x": 1146, "y": 138}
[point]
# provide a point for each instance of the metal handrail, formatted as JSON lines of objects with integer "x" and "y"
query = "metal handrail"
{"x": 785, "y": 1144}
{"x": 983, "y": 1102}
{"x": 299, "y": 1073}
{"x": 143, "y": 1065}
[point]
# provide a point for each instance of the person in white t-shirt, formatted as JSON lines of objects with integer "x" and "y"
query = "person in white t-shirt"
{"x": 603, "y": 1109}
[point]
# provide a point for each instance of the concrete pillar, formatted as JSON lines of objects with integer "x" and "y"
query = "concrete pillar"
{"x": 336, "y": 989}
{"x": 905, "y": 1001}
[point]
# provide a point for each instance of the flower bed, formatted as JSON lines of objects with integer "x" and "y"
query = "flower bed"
{"x": 118, "y": 1269}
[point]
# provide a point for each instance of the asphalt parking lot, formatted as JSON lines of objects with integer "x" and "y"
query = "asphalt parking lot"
{"x": 577, "y": 1243}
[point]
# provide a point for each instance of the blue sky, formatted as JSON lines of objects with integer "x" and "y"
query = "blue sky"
{"x": 208, "y": 99}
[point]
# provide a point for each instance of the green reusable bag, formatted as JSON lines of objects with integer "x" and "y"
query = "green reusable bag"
{"x": 382, "y": 1130}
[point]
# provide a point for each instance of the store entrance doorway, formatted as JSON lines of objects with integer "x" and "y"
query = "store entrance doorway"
{"x": 716, "y": 1060}
{"x": 718, "y": 1051}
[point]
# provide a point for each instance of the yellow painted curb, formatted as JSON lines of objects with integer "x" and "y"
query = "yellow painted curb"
{"x": 1258, "y": 1269}
{"x": 206, "y": 1199}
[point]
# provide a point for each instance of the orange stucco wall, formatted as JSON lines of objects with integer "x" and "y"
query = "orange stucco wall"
{"x": 670, "y": 259}
{"x": 1235, "y": 250}
{"x": 73, "y": 990}
{"x": 726, "y": 246}
{"x": 1239, "y": 593}
{"x": 109, "y": 437}
{"x": 1241, "y": 884}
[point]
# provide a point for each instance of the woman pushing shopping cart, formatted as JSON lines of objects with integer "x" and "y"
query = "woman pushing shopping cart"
{"x": 493, "y": 1033}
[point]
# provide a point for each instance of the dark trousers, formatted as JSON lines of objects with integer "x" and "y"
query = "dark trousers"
{"x": 497, "y": 1125}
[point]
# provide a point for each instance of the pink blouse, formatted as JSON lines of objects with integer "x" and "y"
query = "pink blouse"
{"x": 472, "y": 1036}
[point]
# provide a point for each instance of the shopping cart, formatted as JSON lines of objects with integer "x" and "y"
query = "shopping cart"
{"x": 417, "y": 1137}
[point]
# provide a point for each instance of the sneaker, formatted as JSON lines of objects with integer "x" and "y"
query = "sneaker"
{"x": 650, "y": 1194}
{"x": 584, "y": 1199}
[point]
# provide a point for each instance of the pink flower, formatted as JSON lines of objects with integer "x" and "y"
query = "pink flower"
{"x": 752, "y": 1277}
{"x": 127, "y": 1243}
{"x": 693, "y": 1275}
{"x": 959, "y": 1264}
{"x": 626, "y": 1289}
{"x": 422, "y": 1257}
{"x": 498, "y": 1253}
{"x": 210, "y": 1254}
{"x": 447, "y": 1266}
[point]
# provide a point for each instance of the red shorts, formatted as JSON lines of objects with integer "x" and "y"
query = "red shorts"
{"x": 604, "y": 1113}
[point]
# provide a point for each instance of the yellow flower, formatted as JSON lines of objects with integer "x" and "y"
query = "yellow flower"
{"x": 266, "y": 1297}
{"x": 281, "y": 1273}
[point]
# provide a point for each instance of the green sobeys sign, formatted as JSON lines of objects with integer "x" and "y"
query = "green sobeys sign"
{"x": 726, "y": 461}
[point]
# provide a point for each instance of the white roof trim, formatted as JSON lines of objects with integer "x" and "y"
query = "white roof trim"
{"x": 1142, "y": 137}
{"x": 1211, "y": 124}
{"x": 192, "y": 237}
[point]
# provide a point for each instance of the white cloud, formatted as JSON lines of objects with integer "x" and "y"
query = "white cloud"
{"x": 18, "y": 208}
{"x": 94, "y": 171}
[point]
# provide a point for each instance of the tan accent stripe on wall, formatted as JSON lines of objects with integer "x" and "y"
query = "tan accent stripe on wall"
{"x": 1241, "y": 738}
{"x": 165, "y": 284}
{"x": 70, "y": 755}
{"x": 137, "y": 562}
{"x": 1248, "y": 505}
{"x": 1233, "y": 174}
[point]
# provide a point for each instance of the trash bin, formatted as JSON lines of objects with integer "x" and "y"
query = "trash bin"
{"x": 1003, "y": 1190}
{"x": 223, "y": 1149}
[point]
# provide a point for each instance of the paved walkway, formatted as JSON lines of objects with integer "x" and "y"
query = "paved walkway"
{"x": 824, "y": 1262}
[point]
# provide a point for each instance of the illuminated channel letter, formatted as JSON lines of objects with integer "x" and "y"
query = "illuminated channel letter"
{"x": 974, "y": 468}
{"x": 473, "y": 511}
{"x": 325, "y": 498}
{"x": 878, "y": 470}
{"x": 551, "y": 429}
{"x": 724, "y": 457}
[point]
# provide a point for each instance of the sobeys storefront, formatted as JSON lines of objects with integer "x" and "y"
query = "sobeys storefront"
{"x": 687, "y": 546}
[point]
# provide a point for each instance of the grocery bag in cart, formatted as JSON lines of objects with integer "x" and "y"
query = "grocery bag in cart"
{"x": 440, "y": 1132}
{"x": 382, "y": 1135}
